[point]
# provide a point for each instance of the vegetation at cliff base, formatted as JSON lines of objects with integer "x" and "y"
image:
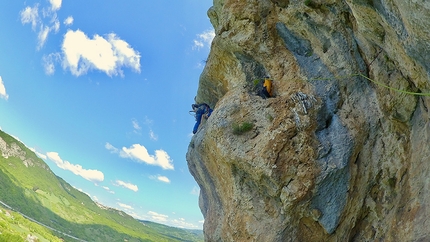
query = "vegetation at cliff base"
{"x": 36, "y": 205}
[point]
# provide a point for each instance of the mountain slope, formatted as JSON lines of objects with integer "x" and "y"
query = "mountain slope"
{"x": 31, "y": 188}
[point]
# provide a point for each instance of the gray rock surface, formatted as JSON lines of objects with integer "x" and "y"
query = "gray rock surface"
{"x": 341, "y": 152}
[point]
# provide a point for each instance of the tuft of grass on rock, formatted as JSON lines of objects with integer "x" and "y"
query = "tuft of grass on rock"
{"x": 242, "y": 128}
{"x": 392, "y": 182}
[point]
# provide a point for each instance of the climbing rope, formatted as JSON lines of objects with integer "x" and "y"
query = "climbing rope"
{"x": 378, "y": 83}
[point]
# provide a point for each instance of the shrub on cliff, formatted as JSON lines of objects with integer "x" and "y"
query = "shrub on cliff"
{"x": 242, "y": 128}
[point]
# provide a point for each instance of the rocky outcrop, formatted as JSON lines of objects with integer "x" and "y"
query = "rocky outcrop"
{"x": 341, "y": 152}
{"x": 14, "y": 150}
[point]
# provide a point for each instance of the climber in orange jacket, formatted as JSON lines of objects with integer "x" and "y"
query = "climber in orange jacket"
{"x": 268, "y": 86}
{"x": 264, "y": 89}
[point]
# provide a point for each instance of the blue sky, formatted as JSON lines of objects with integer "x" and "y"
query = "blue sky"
{"x": 101, "y": 91}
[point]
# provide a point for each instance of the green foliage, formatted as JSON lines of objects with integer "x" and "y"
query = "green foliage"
{"x": 6, "y": 236}
{"x": 392, "y": 182}
{"x": 35, "y": 191}
{"x": 313, "y": 4}
{"x": 308, "y": 2}
{"x": 14, "y": 227}
{"x": 176, "y": 233}
{"x": 242, "y": 128}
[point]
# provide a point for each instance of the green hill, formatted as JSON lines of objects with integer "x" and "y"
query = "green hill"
{"x": 30, "y": 188}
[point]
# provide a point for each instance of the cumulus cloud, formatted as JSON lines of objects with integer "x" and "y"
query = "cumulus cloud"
{"x": 181, "y": 223}
{"x": 160, "y": 178}
{"x": 88, "y": 174}
{"x": 140, "y": 153}
{"x": 126, "y": 185}
{"x": 68, "y": 21}
{"x": 3, "y": 93}
{"x": 204, "y": 39}
{"x": 55, "y": 4}
{"x": 163, "y": 179}
{"x": 158, "y": 217}
{"x": 122, "y": 205}
{"x": 109, "y": 55}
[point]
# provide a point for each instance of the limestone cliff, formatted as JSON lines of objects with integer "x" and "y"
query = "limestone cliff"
{"x": 341, "y": 153}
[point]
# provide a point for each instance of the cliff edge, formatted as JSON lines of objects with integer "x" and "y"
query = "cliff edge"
{"x": 340, "y": 153}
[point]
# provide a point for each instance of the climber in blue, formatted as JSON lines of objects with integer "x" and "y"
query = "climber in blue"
{"x": 202, "y": 111}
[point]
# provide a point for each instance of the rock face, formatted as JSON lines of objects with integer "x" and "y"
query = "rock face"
{"x": 341, "y": 153}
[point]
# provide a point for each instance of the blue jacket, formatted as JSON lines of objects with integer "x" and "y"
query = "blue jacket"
{"x": 203, "y": 109}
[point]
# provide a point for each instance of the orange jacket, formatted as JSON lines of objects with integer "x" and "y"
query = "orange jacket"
{"x": 268, "y": 85}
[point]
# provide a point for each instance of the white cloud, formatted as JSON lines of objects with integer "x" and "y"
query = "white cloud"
{"x": 40, "y": 155}
{"x": 198, "y": 44}
{"x": 111, "y": 148}
{"x": 44, "y": 31}
{"x": 48, "y": 62}
{"x": 204, "y": 39}
{"x": 148, "y": 122}
{"x": 90, "y": 175}
{"x": 30, "y": 15}
{"x": 140, "y": 153}
{"x": 108, "y": 189}
{"x": 108, "y": 55}
{"x": 68, "y": 21}
{"x": 136, "y": 126}
{"x": 163, "y": 179}
{"x": 56, "y": 24}
{"x": 55, "y": 4}
{"x": 42, "y": 36}
{"x": 122, "y": 205}
{"x": 160, "y": 178}
{"x": 3, "y": 93}
{"x": 181, "y": 223}
{"x": 126, "y": 185}
{"x": 158, "y": 217}
{"x": 195, "y": 191}
{"x": 152, "y": 135}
